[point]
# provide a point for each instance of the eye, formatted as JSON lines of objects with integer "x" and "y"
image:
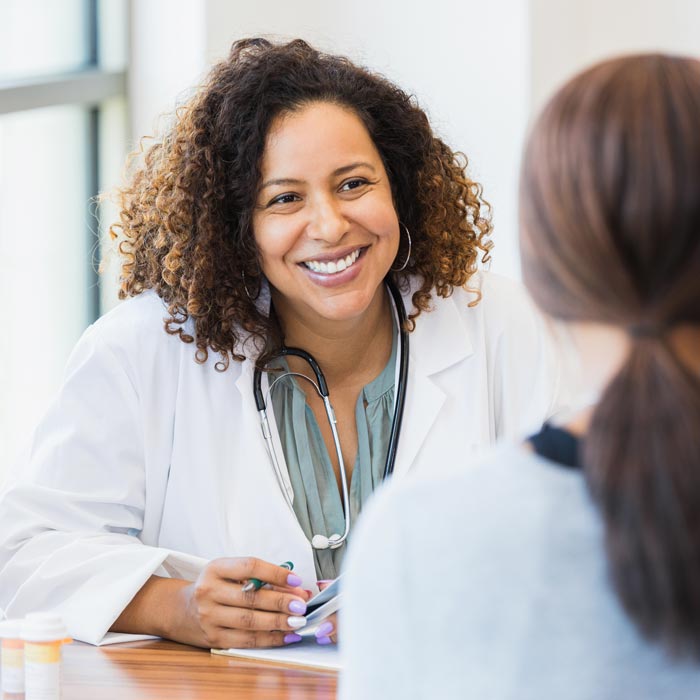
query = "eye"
{"x": 353, "y": 184}
{"x": 287, "y": 198}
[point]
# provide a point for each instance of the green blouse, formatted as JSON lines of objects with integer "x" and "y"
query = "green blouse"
{"x": 318, "y": 503}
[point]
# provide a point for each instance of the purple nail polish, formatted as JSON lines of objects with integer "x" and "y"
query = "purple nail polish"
{"x": 298, "y": 607}
{"x": 293, "y": 580}
{"x": 324, "y": 640}
{"x": 291, "y": 638}
{"x": 324, "y": 630}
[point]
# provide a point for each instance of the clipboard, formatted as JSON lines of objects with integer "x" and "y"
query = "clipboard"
{"x": 323, "y": 604}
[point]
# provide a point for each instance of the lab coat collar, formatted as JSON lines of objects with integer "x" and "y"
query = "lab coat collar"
{"x": 440, "y": 338}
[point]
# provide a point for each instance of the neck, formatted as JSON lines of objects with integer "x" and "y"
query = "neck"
{"x": 598, "y": 353}
{"x": 348, "y": 351}
{"x": 603, "y": 349}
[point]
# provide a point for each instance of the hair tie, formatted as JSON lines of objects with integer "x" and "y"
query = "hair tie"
{"x": 647, "y": 329}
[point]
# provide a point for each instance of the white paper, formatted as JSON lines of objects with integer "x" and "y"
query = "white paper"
{"x": 305, "y": 653}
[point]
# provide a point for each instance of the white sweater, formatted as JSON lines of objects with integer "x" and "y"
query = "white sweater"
{"x": 492, "y": 583}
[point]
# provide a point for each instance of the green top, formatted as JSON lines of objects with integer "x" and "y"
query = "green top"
{"x": 318, "y": 503}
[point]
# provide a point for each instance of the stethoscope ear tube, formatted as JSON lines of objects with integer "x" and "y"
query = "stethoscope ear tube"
{"x": 402, "y": 383}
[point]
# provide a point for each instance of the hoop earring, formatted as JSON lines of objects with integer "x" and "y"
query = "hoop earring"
{"x": 408, "y": 256}
{"x": 245, "y": 287}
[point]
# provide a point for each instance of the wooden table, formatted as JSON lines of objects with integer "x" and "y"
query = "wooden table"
{"x": 170, "y": 671}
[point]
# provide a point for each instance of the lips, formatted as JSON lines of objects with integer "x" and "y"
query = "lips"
{"x": 335, "y": 265}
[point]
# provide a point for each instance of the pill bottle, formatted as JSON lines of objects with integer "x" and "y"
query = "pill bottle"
{"x": 44, "y": 634}
{"x": 12, "y": 669}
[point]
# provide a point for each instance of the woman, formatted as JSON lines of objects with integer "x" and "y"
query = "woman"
{"x": 569, "y": 567}
{"x": 288, "y": 190}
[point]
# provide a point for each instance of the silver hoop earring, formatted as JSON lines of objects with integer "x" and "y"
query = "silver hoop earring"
{"x": 408, "y": 255}
{"x": 245, "y": 287}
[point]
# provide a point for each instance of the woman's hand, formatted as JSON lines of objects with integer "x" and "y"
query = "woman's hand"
{"x": 215, "y": 612}
{"x": 327, "y": 632}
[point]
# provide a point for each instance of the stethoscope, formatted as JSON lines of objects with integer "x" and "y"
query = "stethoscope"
{"x": 334, "y": 541}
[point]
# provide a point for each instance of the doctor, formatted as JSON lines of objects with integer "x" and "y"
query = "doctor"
{"x": 289, "y": 192}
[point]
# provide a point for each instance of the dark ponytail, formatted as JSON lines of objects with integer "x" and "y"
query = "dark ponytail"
{"x": 642, "y": 461}
{"x": 610, "y": 233}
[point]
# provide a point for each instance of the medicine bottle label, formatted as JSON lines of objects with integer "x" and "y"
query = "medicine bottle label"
{"x": 42, "y": 666}
{"x": 12, "y": 669}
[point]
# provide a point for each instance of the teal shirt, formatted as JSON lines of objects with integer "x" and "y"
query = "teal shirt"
{"x": 318, "y": 503}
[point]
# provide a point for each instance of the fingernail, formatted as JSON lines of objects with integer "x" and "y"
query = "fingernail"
{"x": 296, "y": 622}
{"x": 324, "y": 630}
{"x": 291, "y": 638}
{"x": 298, "y": 607}
{"x": 293, "y": 580}
{"x": 324, "y": 640}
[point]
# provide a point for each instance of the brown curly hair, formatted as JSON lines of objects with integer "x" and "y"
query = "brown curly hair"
{"x": 184, "y": 228}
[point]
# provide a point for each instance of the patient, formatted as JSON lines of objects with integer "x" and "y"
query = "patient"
{"x": 568, "y": 567}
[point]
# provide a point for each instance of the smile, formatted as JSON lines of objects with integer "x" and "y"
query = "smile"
{"x": 332, "y": 267}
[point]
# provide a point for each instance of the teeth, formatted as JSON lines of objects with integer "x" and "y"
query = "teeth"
{"x": 333, "y": 267}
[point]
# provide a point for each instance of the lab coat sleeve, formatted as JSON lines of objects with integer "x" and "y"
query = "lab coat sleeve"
{"x": 69, "y": 521}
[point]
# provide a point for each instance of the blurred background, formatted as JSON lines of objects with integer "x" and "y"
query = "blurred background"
{"x": 81, "y": 81}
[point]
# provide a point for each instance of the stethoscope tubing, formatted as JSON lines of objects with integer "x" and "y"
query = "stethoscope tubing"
{"x": 401, "y": 384}
{"x": 335, "y": 541}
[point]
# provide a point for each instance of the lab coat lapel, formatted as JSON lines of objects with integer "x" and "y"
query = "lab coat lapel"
{"x": 439, "y": 340}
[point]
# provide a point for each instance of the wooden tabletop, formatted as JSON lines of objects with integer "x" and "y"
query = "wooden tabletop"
{"x": 167, "y": 670}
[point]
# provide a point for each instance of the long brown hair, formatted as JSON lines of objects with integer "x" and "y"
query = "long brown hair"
{"x": 610, "y": 232}
{"x": 184, "y": 228}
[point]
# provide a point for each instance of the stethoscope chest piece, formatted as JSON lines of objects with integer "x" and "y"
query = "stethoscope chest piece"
{"x": 323, "y": 542}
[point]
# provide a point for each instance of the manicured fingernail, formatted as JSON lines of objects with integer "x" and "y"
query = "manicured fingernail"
{"x": 324, "y": 640}
{"x": 296, "y": 622}
{"x": 298, "y": 607}
{"x": 293, "y": 580}
{"x": 324, "y": 630}
{"x": 291, "y": 638}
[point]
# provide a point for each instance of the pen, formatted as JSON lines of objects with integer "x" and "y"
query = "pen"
{"x": 255, "y": 584}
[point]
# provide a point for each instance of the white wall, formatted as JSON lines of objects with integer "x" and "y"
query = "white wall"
{"x": 167, "y": 58}
{"x": 568, "y": 35}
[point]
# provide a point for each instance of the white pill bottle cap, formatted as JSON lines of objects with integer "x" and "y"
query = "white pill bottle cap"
{"x": 11, "y": 629}
{"x": 43, "y": 627}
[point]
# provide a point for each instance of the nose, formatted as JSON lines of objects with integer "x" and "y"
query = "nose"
{"x": 328, "y": 222}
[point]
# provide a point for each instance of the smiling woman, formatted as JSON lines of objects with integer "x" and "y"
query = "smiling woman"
{"x": 292, "y": 194}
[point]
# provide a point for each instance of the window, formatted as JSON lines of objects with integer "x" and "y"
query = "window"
{"x": 62, "y": 139}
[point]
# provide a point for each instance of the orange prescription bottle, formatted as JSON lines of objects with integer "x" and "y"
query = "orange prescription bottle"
{"x": 12, "y": 670}
{"x": 44, "y": 634}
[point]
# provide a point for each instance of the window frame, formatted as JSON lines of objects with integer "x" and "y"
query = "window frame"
{"x": 88, "y": 86}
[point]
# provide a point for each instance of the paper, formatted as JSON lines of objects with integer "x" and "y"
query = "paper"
{"x": 305, "y": 653}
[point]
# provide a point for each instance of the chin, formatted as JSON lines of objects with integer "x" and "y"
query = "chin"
{"x": 345, "y": 307}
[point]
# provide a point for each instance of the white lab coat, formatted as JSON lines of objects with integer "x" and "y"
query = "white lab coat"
{"x": 148, "y": 462}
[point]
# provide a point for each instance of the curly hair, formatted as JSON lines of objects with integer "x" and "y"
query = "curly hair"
{"x": 184, "y": 228}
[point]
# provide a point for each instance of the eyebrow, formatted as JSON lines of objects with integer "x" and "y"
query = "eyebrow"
{"x": 338, "y": 171}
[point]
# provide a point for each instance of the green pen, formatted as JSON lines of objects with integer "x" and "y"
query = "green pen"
{"x": 255, "y": 584}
